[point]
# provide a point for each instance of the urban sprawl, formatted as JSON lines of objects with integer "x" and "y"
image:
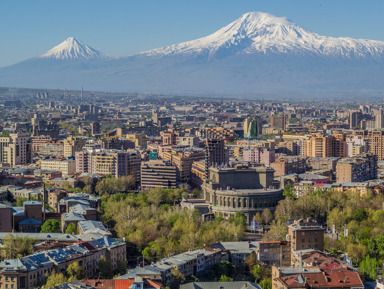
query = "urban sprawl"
{"x": 102, "y": 190}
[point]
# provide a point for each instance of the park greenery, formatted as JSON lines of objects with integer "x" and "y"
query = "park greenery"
{"x": 361, "y": 214}
{"x": 154, "y": 225}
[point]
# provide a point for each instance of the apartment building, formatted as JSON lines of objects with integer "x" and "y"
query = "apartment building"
{"x": 276, "y": 253}
{"x": 191, "y": 141}
{"x": 376, "y": 143}
{"x": 16, "y": 149}
{"x": 259, "y": 155}
{"x": 278, "y": 122}
{"x": 66, "y": 166}
{"x": 289, "y": 165}
{"x": 357, "y": 169}
{"x": 72, "y": 145}
{"x": 198, "y": 173}
{"x": 322, "y": 146}
{"x": 183, "y": 158}
{"x": 31, "y": 271}
{"x": 305, "y": 234}
{"x": 158, "y": 173}
{"x": 114, "y": 162}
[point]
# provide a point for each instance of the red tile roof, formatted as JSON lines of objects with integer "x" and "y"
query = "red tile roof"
{"x": 338, "y": 278}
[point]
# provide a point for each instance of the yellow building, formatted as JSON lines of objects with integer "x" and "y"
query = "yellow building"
{"x": 72, "y": 145}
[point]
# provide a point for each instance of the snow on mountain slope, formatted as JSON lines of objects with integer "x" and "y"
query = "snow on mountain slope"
{"x": 72, "y": 49}
{"x": 258, "y": 32}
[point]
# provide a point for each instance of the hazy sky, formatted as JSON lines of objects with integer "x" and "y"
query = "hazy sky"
{"x": 121, "y": 28}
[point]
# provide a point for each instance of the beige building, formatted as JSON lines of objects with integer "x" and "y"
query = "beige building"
{"x": 158, "y": 173}
{"x": 376, "y": 143}
{"x": 139, "y": 140}
{"x": 183, "y": 158}
{"x": 191, "y": 141}
{"x": 114, "y": 162}
{"x": 67, "y": 167}
{"x": 323, "y": 146}
{"x": 72, "y": 145}
{"x": 16, "y": 149}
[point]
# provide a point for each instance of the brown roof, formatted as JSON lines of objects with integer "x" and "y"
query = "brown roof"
{"x": 339, "y": 278}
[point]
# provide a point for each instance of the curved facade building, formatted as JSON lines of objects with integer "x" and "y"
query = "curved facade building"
{"x": 247, "y": 190}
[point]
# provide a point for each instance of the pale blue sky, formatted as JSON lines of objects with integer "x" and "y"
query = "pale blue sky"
{"x": 121, "y": 28}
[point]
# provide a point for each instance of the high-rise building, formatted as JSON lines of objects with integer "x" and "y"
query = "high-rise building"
{"x": 72, "y": 145}
{"x": 253, "y": 127}
{"x": 278, "y": 122}
{"x": 323, "y": 146}
{"x": 376, "y": 143}
{"x": 355, "y": 117}
{"x": 356, "y": 145}
{"x": 157, "y": 173}
{"x": 319, "y": 145}
{"x": 379, "y": 120}
{"x": 95, "y": 128}
{"x": 216, "y": 153}
{"x": 16, "y": 149}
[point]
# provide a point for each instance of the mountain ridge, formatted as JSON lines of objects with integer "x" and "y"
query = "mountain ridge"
{"x": 257, "y": 52}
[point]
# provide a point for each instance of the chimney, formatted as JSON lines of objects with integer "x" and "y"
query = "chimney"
{"x": 43, "y": 202}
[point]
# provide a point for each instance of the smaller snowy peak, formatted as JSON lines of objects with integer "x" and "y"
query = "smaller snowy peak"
{"x": 72, "y": 49}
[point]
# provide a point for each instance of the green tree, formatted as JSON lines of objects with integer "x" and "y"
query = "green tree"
{"x": 266, "y": 283}
{"x": 51, "y": 226}
{"x": 266, "y": 216}
{"x": 177, "y": 279}
{"x": 55, "y": 279}
{"x": 16, "y": 247}
{"x": 75, "y": 271}
{"x": 105, "y": 268}
{"x": 223, "y": 268}
{"x": 224, "y": 278}
{"x": 369, "y": 267}
{"x": 71, "y": 229}
{"x": 289, "y": 191}
{"x": 357, "y": 252}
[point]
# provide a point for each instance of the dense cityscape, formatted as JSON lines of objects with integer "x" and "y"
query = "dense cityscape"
{"x": 108, "y": 190}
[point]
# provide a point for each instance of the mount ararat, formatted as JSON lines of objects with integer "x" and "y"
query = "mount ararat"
{"x": 257, "y": 54}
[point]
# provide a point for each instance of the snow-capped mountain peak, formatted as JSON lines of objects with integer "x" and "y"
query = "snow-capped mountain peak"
{"x": 258, "y": 32}
{"x": 72, "y": 49}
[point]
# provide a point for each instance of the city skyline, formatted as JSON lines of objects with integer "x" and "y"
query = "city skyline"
{"x": 127, "y": 28}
